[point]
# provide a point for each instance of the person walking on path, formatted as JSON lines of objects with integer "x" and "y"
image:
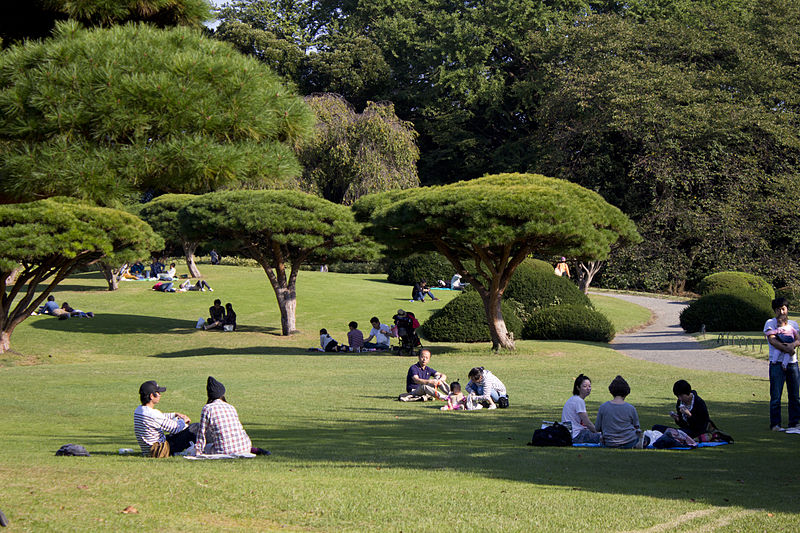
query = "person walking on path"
{"x": 780, "y": 373}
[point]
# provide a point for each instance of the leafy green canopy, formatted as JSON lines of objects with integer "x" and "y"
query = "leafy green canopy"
{"x": 162, "y": 215}
{"x": 46, "y": 240}
{"x": 353, "y": 154}
{"x": 99, "y": 114}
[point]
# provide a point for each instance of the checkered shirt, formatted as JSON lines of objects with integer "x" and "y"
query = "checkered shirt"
{"x": 220, "y": 426}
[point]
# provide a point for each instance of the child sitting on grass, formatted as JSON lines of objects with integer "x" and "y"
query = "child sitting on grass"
{"x": 455, "y": 400}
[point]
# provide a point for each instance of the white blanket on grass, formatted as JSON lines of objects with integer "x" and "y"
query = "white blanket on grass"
{"x": 221, "y": 456}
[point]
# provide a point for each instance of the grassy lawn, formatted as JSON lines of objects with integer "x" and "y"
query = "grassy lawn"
{"x": 346, "y": 455}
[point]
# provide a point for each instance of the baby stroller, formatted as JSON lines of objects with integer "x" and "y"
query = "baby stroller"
{"x": 406, "y": 324}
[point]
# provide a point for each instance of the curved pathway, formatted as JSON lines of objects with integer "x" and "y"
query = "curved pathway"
{"x": 664, "y": 342}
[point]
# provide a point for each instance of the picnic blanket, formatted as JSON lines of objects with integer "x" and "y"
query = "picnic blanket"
{"x": 651, "y": 447}
{"x": 220, "y": 456}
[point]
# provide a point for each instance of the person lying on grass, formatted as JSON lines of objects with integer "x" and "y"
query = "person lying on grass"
{"x": 220, "y": 430}
{"x": 574, "y": 412}
{"x": 618, "y": 420}
{"x": 423, "y": 382}
{"x": 201, "y": 285}
{"x": 151, "y": 425}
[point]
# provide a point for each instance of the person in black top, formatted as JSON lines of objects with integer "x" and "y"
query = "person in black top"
{"x": 230, "y": 316}
{"x": 217, "y": 314}
{"x": 691, "y": 413}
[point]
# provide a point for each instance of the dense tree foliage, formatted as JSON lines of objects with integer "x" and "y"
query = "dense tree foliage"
{"x": 162, "y": 215}
{"x": 486, "y": 227}
{"x": 279, "y": 229}
{"x": 35, "y": 19}
{"x": 352, "y": 154}
{"x": 100, "y": 114}
{"x": 45, "y": 241}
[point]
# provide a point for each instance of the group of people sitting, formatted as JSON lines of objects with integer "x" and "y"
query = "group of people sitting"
{"x": 220, "y": 317}
{"x": 424, "y": 383}
{"x": 165, "y": 434}
{"x": 167, "y": 286}
{"x": 617, "y": 422}
{"x": 405, "y": 325}
{"x": 63, "y": 312}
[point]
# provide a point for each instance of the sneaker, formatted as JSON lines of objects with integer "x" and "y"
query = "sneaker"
{"x": 493, "y": 406}
{"x": 639, "y": 443}
{"x": 777, "y": 428}
{"x": 3, "y": 519}
{"x": 261, "y": 451}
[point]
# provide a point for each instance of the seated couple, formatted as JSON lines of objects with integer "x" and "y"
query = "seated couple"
{"x": 221, "y": 317}
{"x": 617, "y": 423}
{"x": 166, "y": 434}
{"x": 425, "y": 383}
{"x": 64, "y": 312}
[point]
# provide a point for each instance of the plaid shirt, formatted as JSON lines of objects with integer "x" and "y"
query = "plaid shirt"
{"x": 219, "y": 424}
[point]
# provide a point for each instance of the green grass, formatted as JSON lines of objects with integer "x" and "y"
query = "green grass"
{"x": 624, "y": 315}
{"x": 346, "y": 455}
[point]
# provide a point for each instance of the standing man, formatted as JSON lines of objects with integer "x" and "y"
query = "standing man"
{"x": 778, "y": 373}
{"x": 379, "y": 332}
{"x": 422, "y": 381}
{"x": 150, "y": 424}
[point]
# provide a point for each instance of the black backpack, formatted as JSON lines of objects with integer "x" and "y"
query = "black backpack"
{"x": 555, "y": 435}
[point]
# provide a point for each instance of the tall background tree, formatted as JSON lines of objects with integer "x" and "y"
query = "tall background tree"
{"x": 107, "y": 113}
{"x": 162, "y": 215}
{"x": 35, "y": 19}
{"x": 352, "y": 154}
{"x": 486, "y": 227}
{"x": 281, "y": 230}
{"x": 45, "y": 241}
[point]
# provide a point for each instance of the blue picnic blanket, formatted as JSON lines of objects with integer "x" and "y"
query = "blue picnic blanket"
{"x": 651, "y": 447}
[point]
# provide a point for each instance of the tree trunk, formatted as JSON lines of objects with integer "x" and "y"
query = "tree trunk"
{"x": 111, "y": 275}
{"x": 589, "y": 270}
{"x": 13, "y": 276}
{"x": 287, "y": 302}
{"x": 501, "y": 337}
{"x": 5, "y": 341}
{"x": 188, "y": 252}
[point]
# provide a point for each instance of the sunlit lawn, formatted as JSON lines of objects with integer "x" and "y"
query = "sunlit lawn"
{"x": 347, "y": 455}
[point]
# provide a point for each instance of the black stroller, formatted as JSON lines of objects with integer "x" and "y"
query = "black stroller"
{"x": 406, "y": 332}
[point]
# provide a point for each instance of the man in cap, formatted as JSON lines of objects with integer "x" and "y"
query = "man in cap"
{"x": 423, "y": 381}
{"x": 150, "y": 425}
{"x": 219, "y": 423}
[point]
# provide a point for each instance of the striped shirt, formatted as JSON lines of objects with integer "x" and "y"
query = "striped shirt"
{"x": 490, "y": 383}
{"x": 220, "y": 426}
{"x": 150, "y": 424}
{"x": 355, "y": 338}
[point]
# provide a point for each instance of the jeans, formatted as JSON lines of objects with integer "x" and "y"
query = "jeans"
{"x": 376, "y": 345}
{"x": 777, "y": 377}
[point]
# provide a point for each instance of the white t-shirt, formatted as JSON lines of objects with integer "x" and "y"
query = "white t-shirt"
{"x": 455, "y": 283}
{"x": 380, "y": 338}
{"x": 572, "y": 408}
{"x": 775, "y": 355}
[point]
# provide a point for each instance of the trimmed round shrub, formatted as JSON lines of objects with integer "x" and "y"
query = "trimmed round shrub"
{"x": 721, "y": 311}
{"x": 790, "y": 292}
{"x": 569, "y": 322}
{"x": 538, "y": 264}
{"x": 430, "y": 266}
{"x": 463, "y": 319}
{"x": 733, "y": 282}
{"x": 536, "y": 289}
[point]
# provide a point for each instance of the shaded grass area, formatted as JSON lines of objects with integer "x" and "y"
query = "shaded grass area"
{"x": 346, "y": 455}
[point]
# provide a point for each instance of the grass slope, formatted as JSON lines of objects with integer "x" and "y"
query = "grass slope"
{"x": 347, "y": 455}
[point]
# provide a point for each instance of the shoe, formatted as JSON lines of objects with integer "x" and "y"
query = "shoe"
{"x": 777, "y": 428}
{"x": 493, "y": 406}
{"x": 210, "y": 289}
{"x": 91, "y": 314}
{"x": 262, "y": 451}
{"x": 639, "y": 443}
{"x": 3, "y": 519}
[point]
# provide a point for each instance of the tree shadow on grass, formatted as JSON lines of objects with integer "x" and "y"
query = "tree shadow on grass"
{"x": 112, "y": 323}
{"x": 419, "y": 437}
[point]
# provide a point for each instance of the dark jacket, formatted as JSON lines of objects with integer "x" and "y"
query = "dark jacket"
{"x": 697, "y": 424}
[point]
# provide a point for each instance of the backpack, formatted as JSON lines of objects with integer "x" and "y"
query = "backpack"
{"x": 555, "y": 435}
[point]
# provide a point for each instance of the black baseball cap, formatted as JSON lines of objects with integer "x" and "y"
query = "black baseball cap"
{"x": 150, "y": 387}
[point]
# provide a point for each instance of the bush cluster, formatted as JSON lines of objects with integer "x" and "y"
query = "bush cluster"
{"x": 350, "y": 267}
{"x": 569, "y": 322}
{"x": 733, "y": 282}
{"x": 537, "y": 289}
{"x": 430, "y": 266}
{"x": 721, "y": 311}
{"x": 790, "y": 292}
{"x": 463, "y": 319}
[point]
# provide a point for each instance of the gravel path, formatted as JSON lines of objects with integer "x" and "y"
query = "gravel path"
{"x": 664, "y": 342}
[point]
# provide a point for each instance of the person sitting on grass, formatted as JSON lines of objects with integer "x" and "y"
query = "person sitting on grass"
{"x": 423, "y": 382}
{"x": 137, "y": 269}
{"x": 220, "y": 430}
{"x": 691, "y": 413}
{"x": 487, "y": 389}
{"x": 150, "y": 425}
{"x": 455, "y": 400}
{"x": 574, "y": 412}
{"x": 76, "y": 312}
{"x": 354, "y": 337}
{"x": 201, "y": 285}
{"x": 49, "y": 307}
{"x": 379, "y": 332}
{"x": 326, "y": 342}
{"x": 618, "y": 420}
{"x": 216, "y": 316}
{"x": 230, "y": 318}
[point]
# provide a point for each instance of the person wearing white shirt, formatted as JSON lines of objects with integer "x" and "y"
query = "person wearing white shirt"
{"x": 780, "y": 374}
{"x": 574, "y": 412}
{"x": 380, "y": 332}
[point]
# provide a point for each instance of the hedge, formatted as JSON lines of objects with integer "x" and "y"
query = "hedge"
{"x": 536, "y": 289}
{"x": 721, "y": 311}
{"x": 430, "y": 266}
{"x": 569, "y": 322}
{"x": 463, "y": 319}
{"x": 733, "y": 282}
